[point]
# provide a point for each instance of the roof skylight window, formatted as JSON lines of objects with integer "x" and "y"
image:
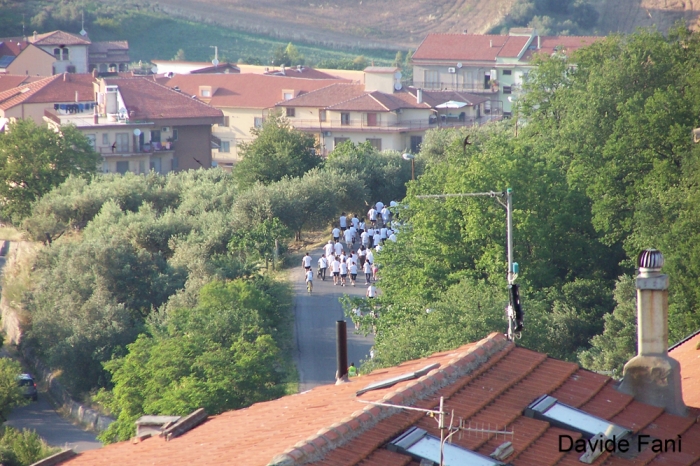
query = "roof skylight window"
{"x": 422, "y": 446}
{"x": 548, "y": 408}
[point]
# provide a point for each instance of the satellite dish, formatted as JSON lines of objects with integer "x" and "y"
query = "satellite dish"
{"x": 137, "y": 132}
{"x": 459, "y": 65}
{"x": 398, "y": 86}
{"x": 215, "y": 62}
{"x": 397, "y": 75}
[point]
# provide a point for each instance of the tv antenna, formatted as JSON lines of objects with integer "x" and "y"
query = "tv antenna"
{"x": 83, "y": 32}
{"x": 215, "y": 61}
{"x": 447, "y": 431}
{"x": 514, "y": 310}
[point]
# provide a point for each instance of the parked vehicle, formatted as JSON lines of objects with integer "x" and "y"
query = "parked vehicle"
{"x": 28, "y": 386}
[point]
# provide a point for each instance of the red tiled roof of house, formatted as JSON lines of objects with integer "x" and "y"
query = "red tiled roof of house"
{"x": 221, "y": 68}
{"x": 567, "y": 44}
{"x": 435, "y": 98}
{"x": 326, "y": 96}
{"x": 487, "y": 48}
{"x": 353, "y": 97}
{"x": 301, "y": 72}
{"x": 59, "y": 38}
{"x": 109, "y": 46}
{"x": 8, "y": 81}
{"x": 247, "y": 90}
{"x": 488, "y": 383}
{"x": 17, "y": 95}
{"x": 687, "y": 353}
{"x": 145, "y": 99}
{"x": 12, "y": 46}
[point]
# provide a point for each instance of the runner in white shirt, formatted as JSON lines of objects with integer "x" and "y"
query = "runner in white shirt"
{"x": 306, "y": 262}
{"x": 372, "y": 215}
{"x": 383, "y": 233}
{"x": 392, "y": 237}
{"x": 329, "y": 249}
{"x": 364, "y": 237}
{"x": 354, "y": 257}
{"x": 310, "y": 279}
{"x": 343, "y": 272}
{"x": 355, "y": 221}
{"x": 343, "y": 221}
{"x": 338, "y": 248}
{"x": 353, "y": 272}
{"x": 336, "y": 234}
{"x": 362, "y": 226}
{"x": 379, "y": 248}
{"x": 371, "y": 292}
{"x": 367, "y": 269}
{"x": 370, "y": 257}
{"x": 349, "y": 236}
{"x": 322, "y": 266}
{"x": 343, "y": 258}
{"x": 370, "y": 236}
{"x": 361, "y": 255}
{"x": 379, "y": 206}
{"x": 376, "y": 238}
{"x": 335, "y": 269}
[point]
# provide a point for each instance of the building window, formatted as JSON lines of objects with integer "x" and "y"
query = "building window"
{"x": 287, "y": 95}
{"x": 226, "y": 121}
{"x": 376, "y": 143}
{"x": 155, "y": 136}
{"x": 122, "y": 167}
{"x": 205, "y": 92}
{"x": 121, "y": 144}
{"x": 431, "y": 79}
{"x": 506, "y": 89}
{"x": 291, "y": 111}
{"x": 258, "y": 122}
{"x": 417, "y": 443}
{"x": 92, "y": 140}
{"x": 345, "y": 119}
{"x": 105, "y": 167}
{"x": 57, "y": 53}
{"x": 142, "y": 166}
{"x": 507, "y": 72}
{"x": 338, "y": 141}
{"x": 174, "y": 164}
{"x": 174, "y": 134}
{"x": 416, "y": 142}
{"x": 322, "y": 115}
{"x": 372, "y": 119}
{"x": 225, "y": 146}
{"x": 105, "y": 139}
{"x": 65, "y": 54}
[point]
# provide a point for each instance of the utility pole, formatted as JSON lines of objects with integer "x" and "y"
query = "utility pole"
{"x": 514, "y": 312}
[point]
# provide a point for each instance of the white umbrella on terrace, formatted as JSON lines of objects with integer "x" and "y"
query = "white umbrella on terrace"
{"x": 452, "y": 104}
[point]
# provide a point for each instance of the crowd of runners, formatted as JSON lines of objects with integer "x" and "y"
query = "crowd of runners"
{"x": 350, "y": 251}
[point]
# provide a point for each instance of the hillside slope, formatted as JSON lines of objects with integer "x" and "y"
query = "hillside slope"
{"x": 402, "y": 23}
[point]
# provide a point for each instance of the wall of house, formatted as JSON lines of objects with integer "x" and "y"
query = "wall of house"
{"x": 390, "y": 141}
{"x": 382, "y": 82}
{"x": 193, "y": 143}
{"x": 32, "y": 61}
{"x": 241, "y": 121}
{"x": 78, "y": 57}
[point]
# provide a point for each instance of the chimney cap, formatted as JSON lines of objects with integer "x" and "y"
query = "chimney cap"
{"x": 650, "y": 260}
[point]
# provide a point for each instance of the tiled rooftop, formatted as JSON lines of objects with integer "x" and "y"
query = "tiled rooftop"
{"x": 8, "y": 81}
{"x": 246, "y": 90}
{"x": 488, "y": 383}
{"x": 487, "y": 48}
{"x": 59, "y": 38}
{"x": 145, "y": 99}
{"x": 300, "y": 72}
{"x": 687, "y": 353}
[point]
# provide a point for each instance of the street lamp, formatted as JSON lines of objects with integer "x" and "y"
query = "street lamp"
{"x": 412, "y": 158}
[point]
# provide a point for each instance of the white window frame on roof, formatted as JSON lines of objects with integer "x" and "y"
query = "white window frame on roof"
{"x": 547, "y": 408}
{"x": 420, "y": 445}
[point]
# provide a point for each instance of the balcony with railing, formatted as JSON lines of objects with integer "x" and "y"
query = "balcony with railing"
{"x": 474, "y": 87}
{"x": 145, "y": 150}
{"x": 359, "y": 124}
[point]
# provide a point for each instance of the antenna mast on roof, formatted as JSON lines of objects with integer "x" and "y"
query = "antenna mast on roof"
{"x": 446, "y": 432}
{"x": 83, "y": 32}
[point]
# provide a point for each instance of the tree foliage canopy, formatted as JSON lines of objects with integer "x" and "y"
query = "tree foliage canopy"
{"x": 34, "y": 159}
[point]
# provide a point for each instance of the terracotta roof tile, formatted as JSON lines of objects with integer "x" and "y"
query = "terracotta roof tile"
{"x": 8, "y": 81}
{"x": 302, "y": 72}
{"x": 59, "y": 38}
{"x": 327, "y": 96}
{"x": 687, "y": 353}
{"x": 247, "y": 90}
{"x": 149, "y": 100}
{"x": 17, "y": 95}
{"x": 487, "y": 384}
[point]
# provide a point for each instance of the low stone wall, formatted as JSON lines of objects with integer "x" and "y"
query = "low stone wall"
{"x": 11, "y": 325}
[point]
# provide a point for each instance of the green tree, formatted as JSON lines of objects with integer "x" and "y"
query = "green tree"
{"x": 179, "y": 56}
{"x": 259, "y": 241}
{"x": 399, "y": 60}
{"x": 10, "y": 392}
{"x": 278, "y": 150}
{"x": 23, "y": 448}
{"x": 216, "y": 356}
{"x": 34, "y": 159}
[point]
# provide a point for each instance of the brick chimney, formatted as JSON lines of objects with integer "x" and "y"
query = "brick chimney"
{"x": 653, "y": 377}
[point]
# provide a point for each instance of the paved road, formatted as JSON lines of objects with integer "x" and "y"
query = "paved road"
{"x": 315, "y": 318}
{"x": 41, "y": 417}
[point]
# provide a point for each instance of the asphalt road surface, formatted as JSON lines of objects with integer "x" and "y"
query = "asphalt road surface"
{"x": 315, "y": 318}
{"x": 56, "y": 431}
{"x": 41, "y": 417}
